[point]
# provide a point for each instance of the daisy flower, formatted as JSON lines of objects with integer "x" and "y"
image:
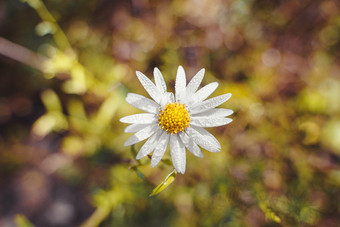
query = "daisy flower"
{"x": 178, "y": 120}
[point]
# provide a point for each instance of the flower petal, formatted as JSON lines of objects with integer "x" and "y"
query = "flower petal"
{"x": 190, "y": 144}
{"x": 177, "y": 152}
{"x": 142, "y": 134}
{"x": 166, "y": 98}
{"x": 159, "y": 79}
{"x": 210, "y": 136}
{"x": 210, "y": 103}
{"x": 202, "y": 140}
{"x": 195, "y": 82}
{"x": 149, "y": 145}
{"x": 210, "y": 121}
{"x": 180, "y": 85}
{"x": 150, "y": 87}
{"x": 160, "y": 149}
{"x": 204, "y": 92}
{"x": 172, "y": 97}
{"x": 142, "y": 103}
{"x": 142, "y": 118}
{"x": 216, "y": 112}
{"x": 135, "y": 127}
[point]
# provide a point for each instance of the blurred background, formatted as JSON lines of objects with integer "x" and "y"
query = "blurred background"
{"x": 66, "y": 67}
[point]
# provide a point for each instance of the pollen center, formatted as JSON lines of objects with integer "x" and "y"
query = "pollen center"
{"x": 174, "y": 118}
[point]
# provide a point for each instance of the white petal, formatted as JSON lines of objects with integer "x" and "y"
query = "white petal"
{"x": 202, "y": 140}
{"x": 142, "y": 134}
{"x": 150, "y": 87}
{"x": 143, "y": 118}
{"x": 208, "y": 135}
{"x": 190, "y": 144}
{"x": 166, "y": 98}
{"x": 180, "y": 84}
{"x": 204, "y": 92}
{"x": 210, "y": 103}
{"x": 149, "y": 145}
{"x": 209, "y": 121}
{"x": 172, "y": 97}
{"x": 135, "y": 127}
{"x": 142, "y": 103}
{"x": 160, "y": 83}
{"x": 160, "y": 149}
{"x": 216, "y": 112}
{"x": 177, "y": 152}
{"x": 195, "y": 82}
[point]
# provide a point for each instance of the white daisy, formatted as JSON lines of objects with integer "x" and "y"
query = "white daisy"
{"x": 178, "y": 120}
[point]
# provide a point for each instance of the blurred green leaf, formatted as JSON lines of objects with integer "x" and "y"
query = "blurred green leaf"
{"x": 97, "y": 217}
{"x": 78, "y": 118}
{"x": 73, "y": 145}
{"x": 21, "y": 221}
{"x": 51, "y": 101}
{"x": 331, "y": 134}
{"x": 78, "y": 82}
{"x": 45, "y": 28}
{"x": 33, "y": 3}
{"x": 106, "y": 111}
{"x": 269, "y": 213}
{"x": 334, "y": 177}
{"x": 49, "y": 122}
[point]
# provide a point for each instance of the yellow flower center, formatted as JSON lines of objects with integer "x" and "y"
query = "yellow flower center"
{"x": 174, "y": 118}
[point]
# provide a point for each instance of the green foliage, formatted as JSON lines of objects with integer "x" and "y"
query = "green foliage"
{"x": 21, "y": 221}
{"x": 167, "y": 181}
